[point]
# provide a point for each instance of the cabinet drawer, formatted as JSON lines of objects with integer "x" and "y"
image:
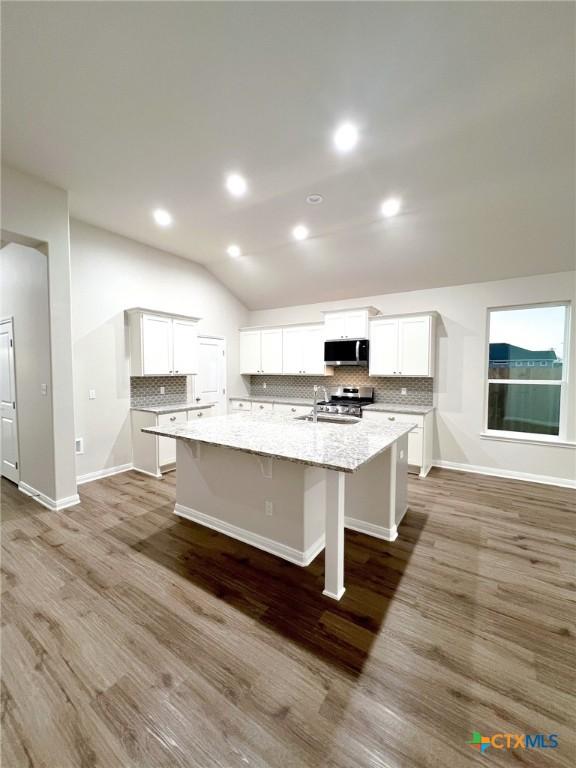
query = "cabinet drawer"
{"x": 200, "y": 413}
{"x": 259, "y": 407}
{"x": 404, "y": 418}
{"x": 240, "y": 405}
{"x": 169, "y": 419}
{"x": 292, "y": 410}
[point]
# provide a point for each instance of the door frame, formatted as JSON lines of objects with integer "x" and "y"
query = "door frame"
{"x": 223, "y": 369}
{"x": 10, "y": 321}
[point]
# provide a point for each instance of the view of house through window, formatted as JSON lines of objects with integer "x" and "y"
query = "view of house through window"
{"x": 526, "y": 369}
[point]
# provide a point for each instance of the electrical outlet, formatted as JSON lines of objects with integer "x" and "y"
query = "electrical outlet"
{"x": 91, "y": 394}
{"x": 79, "y": 445}
{"x": 43, "y": 389}
{"x": 403, "y": 391}
{"x": 401, "y": 454}
{"x": 162, "y": 390}
{"x": 268, "y": 508}
{"x": 264, "y": 385}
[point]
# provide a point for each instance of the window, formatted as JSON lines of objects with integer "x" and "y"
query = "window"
{"x": 527, "y": 370}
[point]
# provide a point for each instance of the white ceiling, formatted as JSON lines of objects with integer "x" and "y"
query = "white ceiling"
{"x": 466, "y": 111}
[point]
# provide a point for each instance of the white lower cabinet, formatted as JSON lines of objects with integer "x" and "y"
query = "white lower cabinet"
{"x": 420, "y": 440}
{"x": 153, "y": 454}
{"x": 261, "y": 406}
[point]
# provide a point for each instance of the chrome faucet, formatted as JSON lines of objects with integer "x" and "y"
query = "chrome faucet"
{"x": 315, "y": 406}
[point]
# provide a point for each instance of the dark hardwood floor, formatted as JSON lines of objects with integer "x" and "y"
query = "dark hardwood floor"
{"x": 132, "y": 638}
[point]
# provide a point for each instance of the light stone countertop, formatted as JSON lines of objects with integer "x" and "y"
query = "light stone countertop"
{"x": 342, "y": 447}
{"x": 171, "y": 408}
{"x": 276, "y": 399}
{"x": 417, "y": 410}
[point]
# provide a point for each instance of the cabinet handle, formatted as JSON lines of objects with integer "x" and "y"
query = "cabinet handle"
{"x": 172, "y": 418}
{"x": 200, "y": 414}
{"x": 391, "y": 418}
{"x": 293, "y": 410}
{"x": 261, "y": 407}
{"x": 240, "y": 405}
{"x": 175, "y": 371}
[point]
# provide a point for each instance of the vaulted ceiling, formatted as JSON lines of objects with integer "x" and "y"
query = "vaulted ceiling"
{"x": 465, "y": 111}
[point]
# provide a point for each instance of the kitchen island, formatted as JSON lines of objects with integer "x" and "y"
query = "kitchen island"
{"x": 291, "y": 486}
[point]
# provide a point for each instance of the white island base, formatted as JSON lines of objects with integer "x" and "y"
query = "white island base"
{"x": 289, "y": 509}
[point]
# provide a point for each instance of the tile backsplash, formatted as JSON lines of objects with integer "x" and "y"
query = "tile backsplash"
{"x": 145, "y": 390}
{"x": 386, "y": 390}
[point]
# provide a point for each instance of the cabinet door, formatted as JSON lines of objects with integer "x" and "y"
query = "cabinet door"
{"x": 313, "y": 350}
{"x": 250, "y": 352}
{"x": 415, "y": 448}
{"x": 271, "y": 351}
{"x": 414, "y": 341}
{"x": 185, "y": 347}
{"x": 292, "y": 357}
{"x": 156, "y": 345}
{"x": 384, "y": 347}
{"x": 167, "y": 445}
{"x": 335, "y": 326}
{"x": 356, "y": 325}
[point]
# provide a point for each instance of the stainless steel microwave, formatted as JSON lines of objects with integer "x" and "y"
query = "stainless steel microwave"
{"x": 346, "y": 352}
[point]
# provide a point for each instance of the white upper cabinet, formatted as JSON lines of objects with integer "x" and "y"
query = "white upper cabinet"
{"x": 384, "y": 347}
{"x": 292, "y": 361}
{"x": 415, "y": 346}
{"x": 185, "y": 347}
{"x": 313, "y": 350}
{"x": 161, "y": 345}
{"x": 250, "y": 352}
{"x": 261, "y": 351}
{"x": 347, "y": 324}
{"x": 402, "y": 346}
{"x": 271, "y": 350}
{"x": 156, "y": 334}
{"x": 303, "y": 350}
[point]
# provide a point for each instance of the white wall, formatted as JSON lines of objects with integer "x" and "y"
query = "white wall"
{"x": 24, "y": 297}
{"x": 35, "y": 211}
{"x": 461, "y": 366}
{"x": 111, "y": 273}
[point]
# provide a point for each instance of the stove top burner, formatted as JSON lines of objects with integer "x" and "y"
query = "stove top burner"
{"x": 347, "y": 400}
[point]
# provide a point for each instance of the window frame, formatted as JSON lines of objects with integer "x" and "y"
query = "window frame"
{"x": 531, "y": 437}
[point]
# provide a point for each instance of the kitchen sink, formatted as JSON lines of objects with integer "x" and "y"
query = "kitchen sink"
{"x": 326, "y": 418}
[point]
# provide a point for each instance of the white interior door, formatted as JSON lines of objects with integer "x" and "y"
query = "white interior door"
{"x": 384, "y": 348}
{"x": 157, "y": 345}
{"x": 414, "y": 339}
{"x": 210, "y": 383}
{"x": 8, "y": 418}
{"x": 184, "y": 347}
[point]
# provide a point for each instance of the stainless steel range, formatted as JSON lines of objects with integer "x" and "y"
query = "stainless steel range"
{"x": 346, "y": 400}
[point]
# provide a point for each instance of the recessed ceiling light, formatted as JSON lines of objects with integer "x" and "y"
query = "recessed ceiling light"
{"x": 234, "y": 251}
{"x": 300, "y": 232}
{"x": 391, "y": 207}
{"x": 236, "y": 184}
{"x": 162, "y": 217}
{"x": 346, "y": 137}
{"x": 314, "y": 199}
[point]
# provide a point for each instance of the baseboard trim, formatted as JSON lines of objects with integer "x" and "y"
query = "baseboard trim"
{"x": 54, "y": 505}
{"x": 260, "y": 542}
{"x": 334, "y": 596}
{"x": 100, "y": 473}
{"x": 506, "y": 473}
{"x": 371, "y": 529}
{"x": 148, "y": 474}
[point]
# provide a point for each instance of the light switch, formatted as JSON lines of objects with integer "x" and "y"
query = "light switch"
{"x": 91, "y": 394}
{"x": 43, "y": 389}
{"x": 403, "y": 391}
